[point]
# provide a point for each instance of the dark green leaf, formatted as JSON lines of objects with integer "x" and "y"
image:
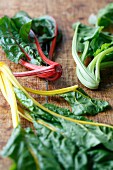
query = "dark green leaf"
{"x": 12, "y": 42}
{"x": 85, "y": 33}
{"x": 73, "y": 154}
{"x": 23, "y": 145}
{"x": 44, "y": 27}
{"x": 82, "y": 104}
{"x": 105, "y": 16}
{"x": 24, "y": 31}
{"x": 21, "y": 18}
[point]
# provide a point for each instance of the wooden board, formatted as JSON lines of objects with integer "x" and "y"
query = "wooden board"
{"x": 65, "y": 12}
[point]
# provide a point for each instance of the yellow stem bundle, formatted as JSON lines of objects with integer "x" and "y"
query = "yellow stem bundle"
{"x": 8, "y": 81}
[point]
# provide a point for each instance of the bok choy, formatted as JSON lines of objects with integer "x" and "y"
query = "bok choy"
{"x": 94, "y": 43}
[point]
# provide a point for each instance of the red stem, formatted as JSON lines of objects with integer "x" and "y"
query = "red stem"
{"x": 29, "y": 65}
{"x": 52, "y": 72}
{"x": 53, "y": 44}
{"x": 27, "y": 55}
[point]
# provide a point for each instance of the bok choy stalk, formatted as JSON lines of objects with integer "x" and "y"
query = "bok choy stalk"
{"x": 56, "y": 143}
{"x": 91, "y": 42}
{"x": 95, "y": 43}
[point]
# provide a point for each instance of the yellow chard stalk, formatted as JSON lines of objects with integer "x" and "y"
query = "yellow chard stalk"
{"x": 10, "y": 81}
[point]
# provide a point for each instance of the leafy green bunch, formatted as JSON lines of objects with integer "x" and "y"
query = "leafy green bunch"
{"x": 96, "y": 43}
{"x": 60, "y": 139}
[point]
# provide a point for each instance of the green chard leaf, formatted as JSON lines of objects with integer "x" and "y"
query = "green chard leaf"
{"x": 12, "y": 41}
{"x": 15, "y": 38}
{"x": 82, "y": 104}
{"x": 44, "y": 26}
{"x": 51, "y": 150}
{"x": 22, "y": 98}
{"x": 72, "y": 153}
{"x": 24, "y": 31}
{"x": 64, "y": 148}
{"x": 28, "y": 152}
{"x": 21, "y": 18}
{"x": 70, "y": 129}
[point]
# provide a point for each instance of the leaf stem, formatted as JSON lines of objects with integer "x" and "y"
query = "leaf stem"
{"x": 52, "y": 92}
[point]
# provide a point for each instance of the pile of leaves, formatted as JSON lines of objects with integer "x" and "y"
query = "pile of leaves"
{"x": 60, "y": 139}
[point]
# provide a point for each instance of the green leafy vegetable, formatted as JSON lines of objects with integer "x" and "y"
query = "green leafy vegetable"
{"x": 105, "y": 16}
{"x": 12, "y": 43}
{"x": 94, "y": 43}
{"x": 82, "y": 104}
{"x": 31, "y": 42}
{"x": 51, "y": 150}
{"x": 60, "y": 140}
{"x": 28, "y": 152}
{"x": 85, "y": 33}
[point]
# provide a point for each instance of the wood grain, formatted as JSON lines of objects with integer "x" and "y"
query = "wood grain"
{"x": 65, "y": 12}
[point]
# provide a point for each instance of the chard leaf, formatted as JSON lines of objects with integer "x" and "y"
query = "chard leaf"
{"x": 44, "y": 27}
{"x": 22, "y": 98}
{"x": 86, "y": 32}
{"x": 24, "y": 31}
{"x": 18, "y": 150}
{"x": 62, "y": 149}
{"x": 21, "y": 18}
{"x": 89, "y": 74}
{"x": 73, "y": 154}
{"x": 9, "y": 39}
{"x": 12, "y": 42}
{"x": 53, "y": 150}
{"x": 82, "y": 104}
{"x": 23, "y": 146}
{"x": 92, "y": 135}
{"x": 15, "y": 36}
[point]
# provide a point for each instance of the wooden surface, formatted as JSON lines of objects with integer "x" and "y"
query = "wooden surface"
{"x": 65, "y": 12}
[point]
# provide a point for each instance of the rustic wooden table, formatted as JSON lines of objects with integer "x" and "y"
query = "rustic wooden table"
{"x": 65, "y": 12}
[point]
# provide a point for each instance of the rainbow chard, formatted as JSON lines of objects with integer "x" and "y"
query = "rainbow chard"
{"x": 31, "y": 42}
{"x": 56, "y": 143}
{"x": 94, "y": 43}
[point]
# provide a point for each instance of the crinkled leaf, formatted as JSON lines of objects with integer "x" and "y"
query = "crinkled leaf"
{"x": 21, "y": 18}
{"x": 22, "y": 98}
{"x": 94, "y": 133}
{"x": 72, "y": 154}
{"x": 24, "y": 31}
{"x": 82, "y": 104}
{"x": 63, "y": 149}
{"x": 44, "y": 27}
{"x": 23, "y": 146}
{"x": 12, "y": 42}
